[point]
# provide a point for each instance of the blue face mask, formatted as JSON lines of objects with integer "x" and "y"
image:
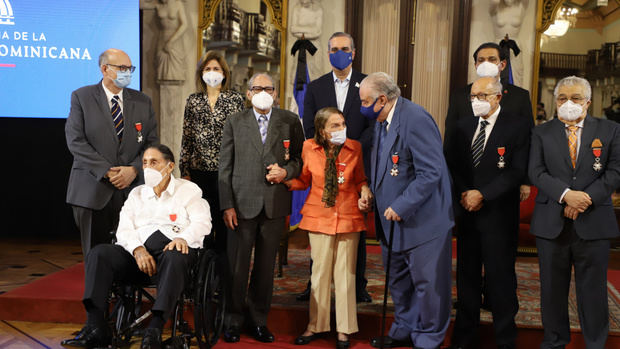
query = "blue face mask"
{"x": 369, "y": 112}
{"x": 340, "y": 59}
{"x": 123, "y": 79}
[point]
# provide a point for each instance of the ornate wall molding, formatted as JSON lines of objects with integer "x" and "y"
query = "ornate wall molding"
{"x": 549, "y": 9}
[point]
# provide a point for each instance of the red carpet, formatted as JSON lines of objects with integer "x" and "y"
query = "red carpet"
{"x": 57, "y": 298}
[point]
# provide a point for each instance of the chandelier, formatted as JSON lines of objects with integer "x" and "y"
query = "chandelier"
{"x": 565, "y": 18}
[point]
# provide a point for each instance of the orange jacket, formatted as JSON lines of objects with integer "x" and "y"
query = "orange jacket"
{"x": 344, "y": 216}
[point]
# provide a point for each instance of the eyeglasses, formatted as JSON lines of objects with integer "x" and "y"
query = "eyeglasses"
{"x": 124, "y": 68}
{"x": 258, "y": 89}
{"x": 574, "y": 99}
{"x": 481, "y": 96}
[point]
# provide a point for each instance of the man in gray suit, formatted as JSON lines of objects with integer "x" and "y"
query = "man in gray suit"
{"x": 261, "y": 147}
{"x": 107, "y": 130}
{"x": 575, "y": 163}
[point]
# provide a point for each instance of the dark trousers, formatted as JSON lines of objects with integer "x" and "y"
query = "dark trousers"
{"x": 360, "y": 265}
{"x": 98, "y": 226}
{"x": 264, "y": 235}
{"x": 496, "y": 251}
{"x": 208, "y": 183}
{"x": 590, "y": 259}
{"x": 420, "y": 286}
{"x": 107, "y": 263}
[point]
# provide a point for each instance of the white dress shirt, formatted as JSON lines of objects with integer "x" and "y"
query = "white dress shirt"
{"x": 491, "y": 120}
{"x": 388, "y": 119}
{"x": 181, "y": 205}
{"x": 342, "y": 87}
{"x": 109, "y": 95}
{"x": 579, "y": 129}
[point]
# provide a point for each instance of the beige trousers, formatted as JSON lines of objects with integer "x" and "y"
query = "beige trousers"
{"x": 334, "y": 257}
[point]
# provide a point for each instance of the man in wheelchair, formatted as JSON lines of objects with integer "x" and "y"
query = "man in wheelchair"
{"x": 162, "y": 225}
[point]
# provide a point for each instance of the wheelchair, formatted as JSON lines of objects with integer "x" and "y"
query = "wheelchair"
{"x": 206, "y": 292}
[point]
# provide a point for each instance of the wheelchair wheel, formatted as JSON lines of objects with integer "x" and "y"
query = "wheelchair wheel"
{"x": 210, "y": 299}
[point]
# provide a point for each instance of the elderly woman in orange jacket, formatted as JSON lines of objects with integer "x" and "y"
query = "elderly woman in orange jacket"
{"x": 334, "y": 167}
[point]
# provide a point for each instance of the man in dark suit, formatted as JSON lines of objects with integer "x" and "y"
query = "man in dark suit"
{"x": 575, "y": 163}
{"x": 487, "y": 155}
{"x": 411, "y": 184}
{"x": 261, "y": 147}
{"x": 340, "y": 88}
{"x": 490, "y": 61}
{"x": 108, "y": 128}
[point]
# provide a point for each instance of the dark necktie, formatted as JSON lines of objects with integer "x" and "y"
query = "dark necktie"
{"x": 117, "y": 117}
{"x": 262, "y": 127}
{"x": 478, "y": 147}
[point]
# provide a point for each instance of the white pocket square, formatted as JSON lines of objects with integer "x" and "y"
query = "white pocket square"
{"x": 357, "y": 84}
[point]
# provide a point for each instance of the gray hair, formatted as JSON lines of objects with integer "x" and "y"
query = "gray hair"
{"x": 574, "y": 80}
{"x": 104, "y": 58}
{"x": 381, "y": 83}
{"x": 251, "y": 81}
{"x": 495, "y": 86}
{"x": 339, "y": 35}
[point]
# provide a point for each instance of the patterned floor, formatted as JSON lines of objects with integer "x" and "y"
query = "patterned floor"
{"x": 296, "y": 276}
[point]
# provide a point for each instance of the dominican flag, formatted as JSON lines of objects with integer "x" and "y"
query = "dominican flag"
{"x": 299, "y": 196}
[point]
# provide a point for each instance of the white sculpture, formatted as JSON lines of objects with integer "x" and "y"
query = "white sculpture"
{"x": 507, "y": 16}
{"x": 307, "y": 20}
{"x": 170, "y": 57}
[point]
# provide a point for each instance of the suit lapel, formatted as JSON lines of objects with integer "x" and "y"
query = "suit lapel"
{"x": 128, "y": 113}
{"x": 373, "y": 156}
{"x": 351, "y": 93}
{"x": 330, "y": 88}
{"x": 273, "y": 129}
{"x": 587, "y": 136}
{"x": 559, "y": 134}
{"x": 392, "y": 134}
{"x": 250, "y": 122}
{"x": 106, "y": 113}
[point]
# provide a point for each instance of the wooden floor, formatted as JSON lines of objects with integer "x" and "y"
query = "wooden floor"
{"x": 25, "y": 260}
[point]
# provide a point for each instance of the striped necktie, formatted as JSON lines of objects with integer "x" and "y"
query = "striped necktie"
{"x": 477, "y": 148}
{"x": 572, "y": 143}
{"x": 262, "y": 126}
{"x": 117, "y": 117}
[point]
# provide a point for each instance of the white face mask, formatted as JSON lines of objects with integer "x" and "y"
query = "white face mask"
{"x": 153, "y": 177}
{"x": 262, "y": 100}
{"x": 487, "y": 69}
{"x": 481, "y": 108}
{"x": 338, "y": 137}
{"x": 570, "y": 111}
{"x": 212, "y": 78}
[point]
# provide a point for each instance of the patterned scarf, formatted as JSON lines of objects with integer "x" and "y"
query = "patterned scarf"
{"x": 330, "y": 190}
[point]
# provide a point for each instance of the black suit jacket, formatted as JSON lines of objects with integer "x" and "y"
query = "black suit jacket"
{"x": 321, "y": 93}
{"x": 499, "y": 186}
{"x": 550, "y": 169}
{"x": 515, "y": 101}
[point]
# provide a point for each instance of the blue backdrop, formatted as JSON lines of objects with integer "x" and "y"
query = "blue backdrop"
{"x": 50, "y": 48}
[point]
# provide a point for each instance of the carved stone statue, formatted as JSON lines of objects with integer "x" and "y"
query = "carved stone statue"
{"x": 507, "y": 16}
{"x": 170, "y": 57}
{"x": 307, "y": 22}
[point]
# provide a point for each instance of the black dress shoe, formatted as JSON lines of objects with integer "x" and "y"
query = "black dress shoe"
{"x": 304, "y": 296}
{"x": 262, "y": 334}
{"x": 303, "y": 340}
{"x": 232, "y": 334}
{"x": 389, "y": 342}
{"x": 89, "y": 337}
{"x": 363, "y": 297}
{"x": 343, "y": 344}
{"x": 151, "y": 339}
